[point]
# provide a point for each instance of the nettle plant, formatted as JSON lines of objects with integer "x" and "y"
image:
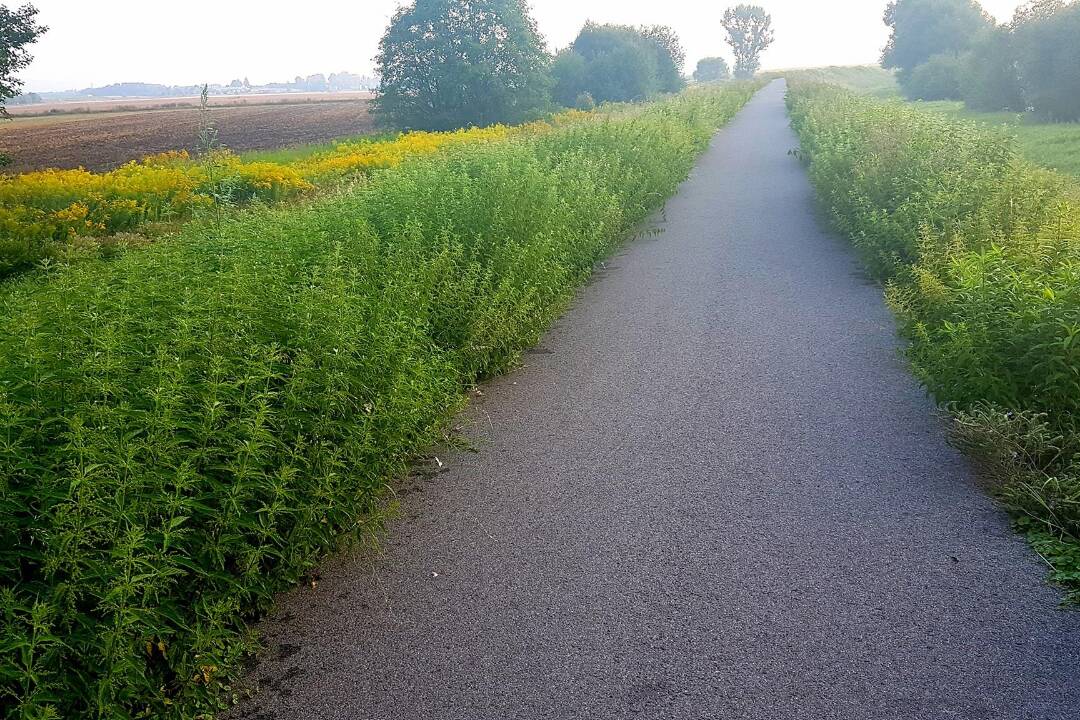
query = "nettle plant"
{"x": 186, "y": 428}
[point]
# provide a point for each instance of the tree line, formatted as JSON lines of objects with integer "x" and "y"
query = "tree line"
{"x": 954, "y": 50}
{"x": 453, "y": 63}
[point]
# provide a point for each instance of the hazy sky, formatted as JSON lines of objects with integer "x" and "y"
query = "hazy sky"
{"x": 195, "y": 41}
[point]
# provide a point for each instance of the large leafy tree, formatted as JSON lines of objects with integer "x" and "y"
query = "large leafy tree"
{"x": 18, "y": 28}
{"x": 749, "y": 32}
{"x": 1046, "y": 38}
{"x": 924, "y": 28}
{"x": 619, "y": 63}
{"x": 452, "y": 63}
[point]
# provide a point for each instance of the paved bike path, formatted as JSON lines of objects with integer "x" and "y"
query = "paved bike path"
{"x": 713, "y": 491}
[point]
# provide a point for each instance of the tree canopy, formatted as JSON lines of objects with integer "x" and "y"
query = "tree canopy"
{"x": 18, "y": 28}
{"x": 452, "y": 63}
{"x": 1046, "y": 41}
{"x": 924, "y": 28}
{"x": 749, "y": 32}
{"x": 711, "y": 69}
{"x": 618, "y": 63}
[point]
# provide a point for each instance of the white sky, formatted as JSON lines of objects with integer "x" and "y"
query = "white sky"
{"x": 195, "y": 41}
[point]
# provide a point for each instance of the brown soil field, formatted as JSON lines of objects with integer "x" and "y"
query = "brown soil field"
{"x": 104, "y": 140}
{"x": 180, "y": 101}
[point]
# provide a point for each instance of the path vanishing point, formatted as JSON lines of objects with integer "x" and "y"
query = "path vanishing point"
{"x": 713, "y": 491}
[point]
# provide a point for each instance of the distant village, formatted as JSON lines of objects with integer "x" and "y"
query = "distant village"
{"x": 334, "y": 82}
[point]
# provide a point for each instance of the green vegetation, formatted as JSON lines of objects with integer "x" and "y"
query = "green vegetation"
{"x": 953, "y": 50}
{"x": 865, "y": 79}
{"x": 712, "y": 69}
{"x": 18, "y": 29}
{"x": 452, "y": 63}
{"x": 1053, "y": 145}
{"x": 980, "y": 253}
{"x": 185, "y": 428}
{"x": 749, "y": 32}
{"x": 617, "y": 63}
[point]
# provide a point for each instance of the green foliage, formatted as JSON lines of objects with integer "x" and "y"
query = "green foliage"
{"x": 18, "y": 29}
{"x": 939, "y": 78}
{"x": 1055, "y": 146}
{"x": 989, "y": 79}
{"x": 749, "y": 32}
{"x": 980, "y": 251}
{"x": 1047, "y": 45}
{"x": 866, "y": 79}
{"x": 185, "y": 428}
{"x": 712, "y": 69}
{"x": 618, "y": 63}
{"x": 455, "y": 63}
{"x": 924, "y": 28}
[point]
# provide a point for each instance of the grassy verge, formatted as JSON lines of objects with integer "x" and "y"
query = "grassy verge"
{"x": 185, "y": 429}
{"x": 1055, "y": 146}
{"x": 980, "y": 253}
{"x": 870, "y": 80}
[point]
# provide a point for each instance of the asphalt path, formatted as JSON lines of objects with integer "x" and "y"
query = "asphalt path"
{"x": 713, "y": 491}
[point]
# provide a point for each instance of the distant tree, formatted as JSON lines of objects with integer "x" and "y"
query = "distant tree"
{"x": 749, "y": 32}
{"x": 712, "y": 69}
{"x": 1046, "y": 38}
{"x": 989, "y": 77}
{"x": 670, "y": 56}
{"x": 18, "y": 29}
{"x": 618, "y": 63}
{"x": 451, "y": 63}
{"x": 938, "y": 78}
{"x": 924, "y": 28}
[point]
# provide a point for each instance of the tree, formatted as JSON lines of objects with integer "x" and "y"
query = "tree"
{"x": 451, "y": 63}
{"x": 924, "y": 28}
{"x": 18, "y": 29}
{"x": 618, "y": 63}
{"x": 989, "y": 78}
{"x": 749, "y": 32}
{"x": 712, "y": 69}
{"x": 1045, "y": 37}
{"x": 670, "y": 56}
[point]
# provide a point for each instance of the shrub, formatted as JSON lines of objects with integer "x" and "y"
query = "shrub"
{"x": 712, "y": 69}
{"x": 980, "y": 253}
{"x": 186, "y": 428}
{"x": 938, "y": 78}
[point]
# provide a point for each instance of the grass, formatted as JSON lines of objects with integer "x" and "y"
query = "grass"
{"x": 979, "y": 251}
{"x": 865, "y": 79}
{"x": 187, "y": 427}
{"x": 1052, "y": 145}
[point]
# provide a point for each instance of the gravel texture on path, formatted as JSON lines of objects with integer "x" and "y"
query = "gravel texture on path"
{"x": 714, "y": 491}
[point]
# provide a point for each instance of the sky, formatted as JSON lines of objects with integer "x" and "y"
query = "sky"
{"x": 197, "y": 41}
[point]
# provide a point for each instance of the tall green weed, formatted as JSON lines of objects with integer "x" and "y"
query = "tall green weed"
{"x": 186, "y": 428}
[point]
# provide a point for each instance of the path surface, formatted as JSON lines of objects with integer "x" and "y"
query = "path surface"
{"x": 714, "y": 492}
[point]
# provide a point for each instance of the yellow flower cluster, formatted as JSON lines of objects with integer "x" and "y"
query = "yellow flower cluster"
{"x": 58, "y": 205}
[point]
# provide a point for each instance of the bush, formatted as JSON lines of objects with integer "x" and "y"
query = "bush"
{"x": 980, "y": 252}
{"x": 938, "y": 78}
{"x": 712, "y": 69}
{"x": 186, "y": 428}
